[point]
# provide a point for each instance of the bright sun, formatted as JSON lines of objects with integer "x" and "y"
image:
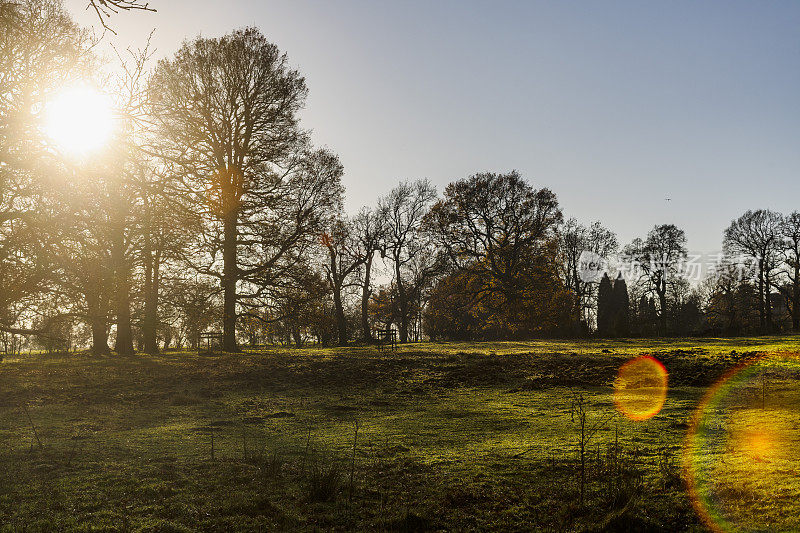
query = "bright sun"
{"x": 80, "y": 120}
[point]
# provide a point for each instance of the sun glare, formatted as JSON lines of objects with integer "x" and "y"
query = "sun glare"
{"x": 80, "y": 120}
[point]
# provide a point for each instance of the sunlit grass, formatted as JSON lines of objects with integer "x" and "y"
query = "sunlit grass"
{"x": 456, "y": 436}
{"x": 744, "y": 453}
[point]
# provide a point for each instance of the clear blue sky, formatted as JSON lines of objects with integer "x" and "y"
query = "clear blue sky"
{"x": 613, "y": 105}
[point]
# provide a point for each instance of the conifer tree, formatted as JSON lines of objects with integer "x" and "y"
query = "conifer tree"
{"x": 621, "y": 307}
{"x": 605, "y": 307}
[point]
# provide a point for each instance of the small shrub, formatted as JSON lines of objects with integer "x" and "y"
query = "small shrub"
{"x": 324, "y": 480}
{"x": 621, "y": 477}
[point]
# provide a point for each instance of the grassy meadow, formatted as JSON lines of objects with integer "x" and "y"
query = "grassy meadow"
{"x": 456, "y": 436}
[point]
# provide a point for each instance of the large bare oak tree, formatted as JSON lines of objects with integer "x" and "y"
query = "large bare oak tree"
{"x": 227, "y": 112}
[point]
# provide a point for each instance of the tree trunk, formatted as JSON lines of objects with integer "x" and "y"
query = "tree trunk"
{"x": 336, "y": 279}
{"x": 124, "y": 345}
{"x": 96, "y": 313}
{"x": 150, "y": 321}
{"x": 578, "y": 300}
{"x": 99, "y": 337}
{"x": 402, "y": 303}
{"x": 341, "y": 321}
{"x": 403, "y": 319}
{"x": 365, "y": 294}
{"x": 298, "y": 339}
{"x": 229, "y": 278}
{"x": 97, "y": 322}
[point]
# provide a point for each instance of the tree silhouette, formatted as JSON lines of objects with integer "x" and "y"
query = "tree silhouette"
{"x": 344, "y": 258}
{"x": 369, "y": 228}
{"x": 756, "y": 235}
{"x": 226, "y": 110}
{"x": 605, "y": 307}
{"x": 790, "y": 253}
{"x": 501, "y": 233}
{"x": 41, "y": 50}
{"x": 491, "y": 226}
{"x": 658, "y": 258}
{"x": 404, "y": 208}
{"x": 621, "y": 307}
{"x": 574, "y": 240}
{"x": 106, "y": 8}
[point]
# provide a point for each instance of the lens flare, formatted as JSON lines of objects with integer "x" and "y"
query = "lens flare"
{"x": 742, "y": 451}
{"x": 640, "y": 388}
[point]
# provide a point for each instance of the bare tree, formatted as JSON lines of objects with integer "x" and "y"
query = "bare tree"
{"x": 227, "y": 111}
{"x": 659, "y": 258}
{"x": 729, "y": 298}
{"x": 302, "y": 307}
{"x": 106, "y": 8}
{"x": 41, "y": 50}
{"x": 756, "y": 235}
{"x": 790, "y": 256}
{"x": 574, "y": 241}
{"x": 165, "y": 232}
{"x": 344, "y": 258}
{"x": 80, "y": 254}
{"x": 369, "y": 228}
{"x": 127, "y": 176}
{"x": 425, "y": 266}
{"x": 405, "y": 206}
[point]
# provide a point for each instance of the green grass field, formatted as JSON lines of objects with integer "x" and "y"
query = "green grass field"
{"x": 456, "y": 436}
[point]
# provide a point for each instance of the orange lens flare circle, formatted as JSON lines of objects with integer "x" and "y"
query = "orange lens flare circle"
{"x": 640, "y": 388}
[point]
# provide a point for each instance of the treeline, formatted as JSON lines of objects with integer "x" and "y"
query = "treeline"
{"x": 210, "y": 210}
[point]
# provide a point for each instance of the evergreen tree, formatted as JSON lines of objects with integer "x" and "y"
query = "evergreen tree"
{"x": 605, "y": 307}
{"x": 621, "y": 306}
